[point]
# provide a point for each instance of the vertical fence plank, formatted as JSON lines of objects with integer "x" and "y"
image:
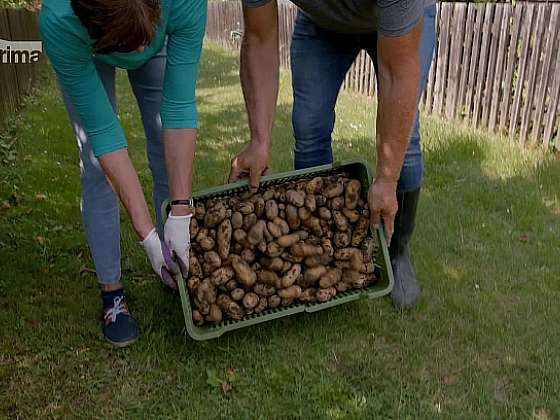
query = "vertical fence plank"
{"x": 533, "y": 65}
{"x": 545, "y": 76}
{"x": 497, "y": 77}
{"x": 471, "y": 81}
{"x": 519, "y": 10}
{"x": 491, "y": 70}
{"x": 443, "y": 58}
{"x": 466, "y": 58}
{"x": 456, "y": 49}
{"x": 553, "y": 111}
{"x": 482, "y": 64}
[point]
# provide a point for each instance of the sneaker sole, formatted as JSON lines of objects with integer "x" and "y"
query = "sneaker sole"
{"x": 121, "y": 344}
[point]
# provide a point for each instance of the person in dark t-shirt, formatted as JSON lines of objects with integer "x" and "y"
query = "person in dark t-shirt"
{"x": 399, "y": 36}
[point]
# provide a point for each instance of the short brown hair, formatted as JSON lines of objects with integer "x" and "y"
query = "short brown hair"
{"x": 118, "y": 25}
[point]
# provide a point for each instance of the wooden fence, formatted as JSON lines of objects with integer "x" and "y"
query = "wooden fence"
{"x": 16, "y": 80}
{"x": 496, "y": 65}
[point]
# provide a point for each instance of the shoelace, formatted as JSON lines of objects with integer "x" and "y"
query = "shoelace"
{"x": 118, "y": 308}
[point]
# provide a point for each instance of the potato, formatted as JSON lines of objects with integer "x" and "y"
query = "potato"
{"x": 215, "y": 215}
{"x": 352, "y": 194}
{"x": 332, "y": 277}
{"x": 207, "y": 243}
{"x": 264, "y": 290}
{"x": 236, "y": 220}
{"x": 274, "y": 301}
{"x": 321, "y": 200}
{"x": 304, "y": 213}
{"x": 351, "y": 277}
{"x": 292, "y": 292}
{"x": 286, "y": 256}
{"x": 212, "y": 260}
{"x": 286, "y": 266}
{"x": 231, "y": 285}
{"x": 222, "y": 275}
{"x": 295, "y": 198}
{"x": 267, "y": 277}
{"x": 212, "y": 233}
{"x": 237, "y": 294}
{"x": 231, "y": 308}
{"x": 340, "y": 221}
{"x": 292, "y": 217}
{"x": 285, "y": 228}
{"x": 240, "y": 236}
{"x": 311, "y": 275}
{"x": 261, "y": 307}
{"x": 249, "y": 220}
{"x": 287, "y": 241}
{"x": 256, "y": 234}
{"x": 325, "y": 213}
{"x": 248, "y": 255}
{"x": 287, "y": 302}
{"x": 206, "y": 292}
{"x": 244, "y": 208}
{"x": 337, "y": 203}
{"x": 302, "y": 249}
{"x": 259, "y": 204}
{"x": 327, "y": 246}
{"x": 324, "y": 295}
{"x": 274, "y": 250}
{"x": 203, "y": 307}
{"x": 342, "y": 287}
{"x": 199, "y": 211}
{"x": 271, "y": 209}
{"x": 314, "y": 224}
{"x": 197, "y": 317}
{"x": 308, "y": 295}
{"x": 333, "y": 190}
{"x": 195, "y": 269}
{"x": 215, "y": 314}
{"x": 224, "y": 238}
{"x": 367, "y": 267}
{"x": 250, "y": 300}
{"x": 342, "y": 239}
{"x": 360, "y": 231}
{"x": 245, "y": 276}
{"x": 352, "y": 215}
{"x": 269, "y": 194}
{"x": 310, "y": 203}
{"x": 369, "y": 248}
{"x": 274, "y": 229}
{"x": 194, "y": 227}
{"x": 315, "y": 186}
{"x": 291, "y": 276}
{"x": 193, "y": 283}
{"x": 237, "y": 248}
{"x": 345, "y": 254}
{"x": 274, "y": 264}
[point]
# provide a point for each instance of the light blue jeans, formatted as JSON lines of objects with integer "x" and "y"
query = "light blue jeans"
{"x": 100, "y": 204}
{"x": 320, "y": 59}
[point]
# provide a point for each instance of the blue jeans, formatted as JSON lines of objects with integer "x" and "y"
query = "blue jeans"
{"x": 100, "y": 205}
{"x": 320, "y": 59}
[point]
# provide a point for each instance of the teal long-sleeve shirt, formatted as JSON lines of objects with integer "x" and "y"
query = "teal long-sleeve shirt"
{"x": 69, "y": 48}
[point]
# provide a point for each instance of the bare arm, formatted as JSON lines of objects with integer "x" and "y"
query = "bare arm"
{"x": 125, "y": 183}
{"x": 399, "y": 77}
{"x": 259, "y": 80}
{"x": 180, "y": 147}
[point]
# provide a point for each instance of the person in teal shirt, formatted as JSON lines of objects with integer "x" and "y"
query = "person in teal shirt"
{"x": 158, "y": 42}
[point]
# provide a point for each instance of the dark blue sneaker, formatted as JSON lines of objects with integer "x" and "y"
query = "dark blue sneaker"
{"x": 119, "y": 328}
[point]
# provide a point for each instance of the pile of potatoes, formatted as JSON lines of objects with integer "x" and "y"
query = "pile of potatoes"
{"x": 301, "y": 241}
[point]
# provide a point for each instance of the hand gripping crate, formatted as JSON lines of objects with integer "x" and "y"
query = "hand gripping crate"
{"x": 357, "y": 169}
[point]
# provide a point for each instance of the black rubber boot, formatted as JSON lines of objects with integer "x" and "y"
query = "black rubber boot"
{"x": 406, "y": 292}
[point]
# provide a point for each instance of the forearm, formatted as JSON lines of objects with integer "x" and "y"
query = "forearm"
{"x": 124, "y": 180}
{"x": 259, "y": 79}
{"x": 180, "y": 145}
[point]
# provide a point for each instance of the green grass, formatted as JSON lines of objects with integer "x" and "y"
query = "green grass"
{"x": 483, "y": 343}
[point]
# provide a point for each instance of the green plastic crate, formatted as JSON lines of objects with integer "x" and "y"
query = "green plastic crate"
{"x": 358, "y": 169}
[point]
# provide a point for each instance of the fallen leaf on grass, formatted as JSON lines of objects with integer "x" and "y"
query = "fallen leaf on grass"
{"x": 524, "y": 238}
{"x": 450, "y": 380}
{"x": 227, "y": 387}
{"x": 41, "y": 196}
{"x": 40, "y": 240}
{"x": 6, "y": 205}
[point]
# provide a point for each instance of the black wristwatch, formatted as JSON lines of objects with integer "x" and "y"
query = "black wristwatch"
{"x": 187, "y": 202}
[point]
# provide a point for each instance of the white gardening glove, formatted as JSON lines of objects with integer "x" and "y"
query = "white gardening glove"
{"x": 161, "y": 259}
{"x": 177, "y": 236}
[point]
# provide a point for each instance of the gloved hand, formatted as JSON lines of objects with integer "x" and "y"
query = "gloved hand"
{"x": 178, "y": 237}
{"x": 160, "y": 258}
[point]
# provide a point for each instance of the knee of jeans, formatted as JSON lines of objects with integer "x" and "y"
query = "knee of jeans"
{"x": 311, "y": 130}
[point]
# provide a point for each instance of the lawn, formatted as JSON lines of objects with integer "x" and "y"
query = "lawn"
{"x": 483, "y": 343}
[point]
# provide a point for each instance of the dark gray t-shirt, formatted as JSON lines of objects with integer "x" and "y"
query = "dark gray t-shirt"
{"x": 389, "y": 17}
